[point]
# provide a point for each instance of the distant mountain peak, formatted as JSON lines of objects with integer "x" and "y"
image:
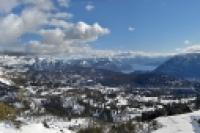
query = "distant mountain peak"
{"x": 183, "y": 66}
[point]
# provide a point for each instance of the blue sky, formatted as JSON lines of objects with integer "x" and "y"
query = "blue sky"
{"x": 160, "y": 25}
{"x": 100, "y": 26}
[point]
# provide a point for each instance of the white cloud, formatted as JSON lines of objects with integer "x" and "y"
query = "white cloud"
{"x": 45, "y": 5}
{"x": 131, "y": 29}
{"x": 64, "y": 3}
{"x": 187, "y": 42}
{"x": 69, "y": 38}
{"x": 62, "y": 15}
{"x": 62, "y": 36}
{"x": 85, "y": 32}
{"x": 61, "y": 24}
{"x": 33, "y": 19}
{"x": 89, "y": 7}
{"x": 13, "y": 26}
{"x": 53, "y": 37}
{"x": 190, "y": 49}
{"x": 8, "y": 5}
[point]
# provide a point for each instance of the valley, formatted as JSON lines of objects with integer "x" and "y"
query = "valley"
{"x": 63, "y": 96}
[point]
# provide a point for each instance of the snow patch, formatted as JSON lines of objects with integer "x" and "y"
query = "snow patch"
{"x": 32, "y": 128}
{"x": 185, "y": 123}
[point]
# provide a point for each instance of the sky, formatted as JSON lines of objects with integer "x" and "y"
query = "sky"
{"x": 100, "y": 26}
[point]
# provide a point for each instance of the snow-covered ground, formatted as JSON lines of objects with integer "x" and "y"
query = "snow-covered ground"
{"x": 185, "y": 123}
{"x": 32, "y": 128}
{"x": 35, "y": 125}
{"x": 5, "y": 81}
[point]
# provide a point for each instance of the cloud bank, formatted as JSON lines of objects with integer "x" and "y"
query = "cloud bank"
{"x": 190, "y": 49}
{"x": 51, "y": 28}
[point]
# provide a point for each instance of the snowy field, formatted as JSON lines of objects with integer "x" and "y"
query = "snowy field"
{"x": 54, "y": 126}
{"x": 32, "y": 128}
{"x": 185, "y": 123}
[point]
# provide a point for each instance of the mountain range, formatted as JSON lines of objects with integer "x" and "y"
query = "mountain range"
{"x": 138, "y": 71}
{"x": 186, "y": 66}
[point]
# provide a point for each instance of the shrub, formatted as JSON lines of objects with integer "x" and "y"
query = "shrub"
{"x": 91, "y": 130}
{"x": 174, "y": 109}
{"x": 151, "y": 115}
{"x": 168, "y": 110}
{"x": 54, "y": 106}
{"x": 6, "y": 112}
{"x": 123, "y": 128}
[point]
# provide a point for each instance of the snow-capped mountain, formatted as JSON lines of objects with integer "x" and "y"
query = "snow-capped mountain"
{"x": 182, "y": 66}
{"x": 59, "y": 71}
{"x": 125, "y": 65}
{"x": 118, "y": 63}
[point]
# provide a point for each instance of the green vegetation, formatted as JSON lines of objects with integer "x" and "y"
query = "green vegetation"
{"x": 91, "y": 130}
{"x": 6, "y": 112}
{"x": 128, "y": 127}
{"x": 168, "y": 110}
{"x": 124, "y": 128}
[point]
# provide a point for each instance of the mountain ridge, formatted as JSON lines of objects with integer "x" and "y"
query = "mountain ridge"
{"x": 186, "y": 66}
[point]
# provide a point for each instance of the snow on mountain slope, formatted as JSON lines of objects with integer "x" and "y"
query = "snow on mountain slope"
{"x": 185, "y": 123}
{"x": 119, "y": 64}
{"x": 126, "y": 65}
